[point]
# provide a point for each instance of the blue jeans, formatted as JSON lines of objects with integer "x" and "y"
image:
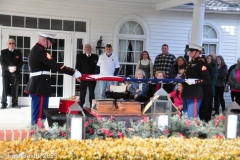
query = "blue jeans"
{"x": 188, "y": 107}
{"x": 103, "y": 86}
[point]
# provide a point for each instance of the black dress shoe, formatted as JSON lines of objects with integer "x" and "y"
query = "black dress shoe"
{"x": 3, "y": 107}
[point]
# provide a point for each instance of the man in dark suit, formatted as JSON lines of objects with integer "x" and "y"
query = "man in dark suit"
{"x": 86, "y": 64}
{"x": 11, "y": 62}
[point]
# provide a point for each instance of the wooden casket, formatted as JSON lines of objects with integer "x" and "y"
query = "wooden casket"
{"x": 65, "y": 103}
{"x": 116, "y": 108}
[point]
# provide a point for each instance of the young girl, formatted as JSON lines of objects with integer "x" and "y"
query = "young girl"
{"x": 180, "y": 72}
{"x": 177, "y": 96}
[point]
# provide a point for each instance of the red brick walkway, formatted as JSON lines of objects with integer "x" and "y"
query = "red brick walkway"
{"x": 11, "y": 135}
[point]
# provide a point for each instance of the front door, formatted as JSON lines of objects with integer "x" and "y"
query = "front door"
{"x": 61, "y": 51}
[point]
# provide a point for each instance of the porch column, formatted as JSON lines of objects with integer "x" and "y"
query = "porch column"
{"x": 197, "y": 22}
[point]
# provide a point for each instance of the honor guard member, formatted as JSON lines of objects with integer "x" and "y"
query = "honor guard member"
{"x": 39, "y": 84}
{"x": 197, "y": 75}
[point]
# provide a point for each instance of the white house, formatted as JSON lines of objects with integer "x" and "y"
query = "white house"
{"x": 131, "y": 26}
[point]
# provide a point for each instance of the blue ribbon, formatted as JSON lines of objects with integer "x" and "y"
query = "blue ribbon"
{"x": 152, "y": 80}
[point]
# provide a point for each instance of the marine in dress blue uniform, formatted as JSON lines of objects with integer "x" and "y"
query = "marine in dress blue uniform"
{"x": 39, "y": 84}
{"x": 197, "y": 75}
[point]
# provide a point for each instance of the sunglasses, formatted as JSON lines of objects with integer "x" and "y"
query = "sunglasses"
{"x": 11, "y": 43}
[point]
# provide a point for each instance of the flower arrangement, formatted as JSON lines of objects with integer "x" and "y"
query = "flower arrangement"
{"x": 55, "y": 132}
{"x": 109, "y": 128}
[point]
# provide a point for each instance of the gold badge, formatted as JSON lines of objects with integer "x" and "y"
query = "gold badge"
{"x": 204, "y": 68}
{"x": 49, "y": 56}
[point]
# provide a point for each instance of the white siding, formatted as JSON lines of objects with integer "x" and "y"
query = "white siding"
{"x": 172, "y": 28}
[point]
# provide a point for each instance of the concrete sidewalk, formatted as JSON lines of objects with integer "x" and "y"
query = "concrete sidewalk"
{"x": 13, "y": 118}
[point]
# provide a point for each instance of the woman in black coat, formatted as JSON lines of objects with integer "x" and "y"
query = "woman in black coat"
{"x": 219, "y": 86}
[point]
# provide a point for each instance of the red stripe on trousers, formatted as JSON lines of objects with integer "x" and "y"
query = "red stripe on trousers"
{"x": 195, "y": 107}
{"x": 41, "y": 107}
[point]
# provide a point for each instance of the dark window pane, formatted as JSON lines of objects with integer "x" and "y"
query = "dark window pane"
{"x": 60, "y": 80}
{"x": 53, "y": 79}
{"x": 5, "y": 20}
{"x": 61, "y": 44}
{"x": 19, "y": 43}
{"x": 54, "y": 46}
{"x": 53, "y": 91}
{"x": 80, "y": 26}
{"x": 60, "y": 92}
{"x": 61, "y": 56}
{"x": 54, "y": 55}
{"x": 25, "y": 78}
{"x": 68, "y": 25}
{"x": 25, "y": 54}
{"x": 79, "y": 44}
{"x": 26, "y": 42}
{"x": 17, "y": 21}
{"x": 56, "y": 24}
{"x": 44, "y": 23}
{"x": 31, "y": 22}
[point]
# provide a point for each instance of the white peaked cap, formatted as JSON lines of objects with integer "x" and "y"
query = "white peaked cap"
{"x": 47, "y": 35}
{"x": 195, "y": 46}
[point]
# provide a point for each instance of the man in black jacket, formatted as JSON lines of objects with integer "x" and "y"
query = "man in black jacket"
{"x": 11, "y": 62}
{"x": 86, "y": 64}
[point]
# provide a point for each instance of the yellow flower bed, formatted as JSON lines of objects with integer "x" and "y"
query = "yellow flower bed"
{"x": 136, "y": 148}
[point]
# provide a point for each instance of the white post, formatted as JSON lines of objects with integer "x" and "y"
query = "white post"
{"x": 232, "y": 126}
{"x": 197, "y": 23}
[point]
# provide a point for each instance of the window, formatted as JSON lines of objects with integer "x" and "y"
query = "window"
{"x": 42, "y": 23}
{"x": 57, "y": 52}
{"x": 129, "y": 49}
{"x": 210, "y": 39}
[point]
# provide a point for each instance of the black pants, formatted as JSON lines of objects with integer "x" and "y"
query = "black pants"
{"x": 236, "y": 97}
{"x": 10, "y": 87}
{"x": 219, "y": 91}
{"x": 205, "y": 111}
{"x": 83, "y": 91}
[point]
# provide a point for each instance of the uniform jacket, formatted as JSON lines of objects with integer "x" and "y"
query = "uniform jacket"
{"x": 235, "y": 85}
{"x": 87, "y": 65}
{"x": 196, "y": 69}
{"x": 8, "y": 59}
{"x": 41, "y": 60}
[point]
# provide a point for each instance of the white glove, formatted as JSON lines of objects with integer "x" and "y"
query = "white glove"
{"x": 77, "y": 74}
{"x": 12, "y": 69}
{"x": 191, "y": 81}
